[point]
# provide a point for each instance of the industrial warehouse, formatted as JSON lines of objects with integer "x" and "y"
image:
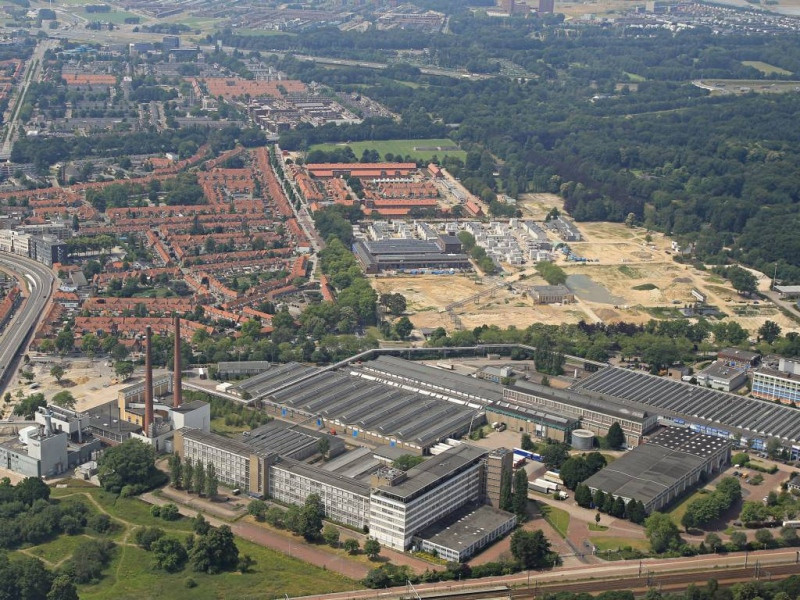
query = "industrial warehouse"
{"x": 658, "y": 472}
{"x": 444, "y": 253}
{"x": 703, "y": 410}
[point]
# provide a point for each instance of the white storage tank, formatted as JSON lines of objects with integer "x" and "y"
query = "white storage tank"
{"x": 582, "y": 439}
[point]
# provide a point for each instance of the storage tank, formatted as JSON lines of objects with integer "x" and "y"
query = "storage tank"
{"x": 582, "y": 439}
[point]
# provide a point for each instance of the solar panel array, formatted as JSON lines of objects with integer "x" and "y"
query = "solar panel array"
{"x": 754, "y": 418}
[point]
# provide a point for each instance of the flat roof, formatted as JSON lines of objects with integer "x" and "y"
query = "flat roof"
{"x": 466, "y": 526}
{"x": 727, "y": 413}
{"x": 648, "y": 470}
{"x": 105, "y": 417}
{"x": 788, "y": 289}
{"x": 188, "y": 407}
{"x": 527, "y": 412}
{"x": 739, "y": 353}
{"x": 434, "y": 470}
{"x": 244, "y": 365}
{"x": 721, "y": 370}
{"x": 218, "y": 441}
{"x": 317, "y": 474}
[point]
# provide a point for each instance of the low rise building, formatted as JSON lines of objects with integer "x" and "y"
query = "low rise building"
{"x": 722, "y": 376}
{"x": 663, "y": 469}
{"x": 737, "y": 357}
{"x": 465, "y": 532}
{"x": 551, "y": 294}
{"x": 781, "y": 383}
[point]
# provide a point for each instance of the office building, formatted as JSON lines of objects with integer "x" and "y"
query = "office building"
{"x": 404, "y": 503}
{"x": 721, "y": 376}
{"x": 777, "y": 382}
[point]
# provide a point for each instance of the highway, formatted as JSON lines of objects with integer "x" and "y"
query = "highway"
{"x": 39, "y": 280}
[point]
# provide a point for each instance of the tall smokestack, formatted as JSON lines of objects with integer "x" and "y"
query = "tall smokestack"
{"x": 177, "y": 392}
{"x": 148, "y": 381}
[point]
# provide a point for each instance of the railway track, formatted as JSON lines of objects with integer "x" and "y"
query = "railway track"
{"x": 665, "y": 582}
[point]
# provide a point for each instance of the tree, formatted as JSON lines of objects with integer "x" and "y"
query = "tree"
{"x": 599, "y": 499}
{"x": 245, "y": 563}
{"x": 64, "y": 399}
{"x": 170, "y": 512}
{"x": 526, "y": 443}
{"x": 214, "y": 552}
{"x": 132, "y": 463}
{"x": 554, "y": 455}
{"x": 31, "y": 489}
{"x": 662, "y": 533}
{"x": 739, "y": 540}
{"x": 323, "y": 446}
{"x": 743, "y": 281}
{"x": 175, "y": 470}
{"x": 636, "y": 512}
{"x": 583, "y": 496}
{"x": 123, "y": 369}
{"x": 615, "y": 436}
{"x": 774, "y": 447}
{"x": 199, "y": 524}
{"x": 403, "y": 328}
{"x": 199, "y": 484}
{"x": 65, "y": 340}
{"x": 769, "y": 331}
{"x": 713, "y": 542}
{"x": 506, "y": 500}
{"x": 764, "y": 538}
{"x": 530, "y": 548}
{"x": 187, "y": 475}
{"x": 330, "y": 533}
{"x": 311, "y": 518}
{"x": 57, "y": 371}
{"x": 574, "y": 470}
{"x": 27, "y": 407}
{"x": 789, "y": 536}
{"x": 169, "y": 554}
{"x": 62, "y": 588}
{"x": 258, "y": 509}
{"x": 212, "y": 482}
{"x": 145, "y": 537}
{"x": 520, "y": 498}
{"x": 404, "y": 462}
{"x": 351, "y": 546}
{"x": 90, "y": 345}
{"x": 372, "y": 548}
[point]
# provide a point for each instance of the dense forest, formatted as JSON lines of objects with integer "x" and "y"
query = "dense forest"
{"x": 607, "y": 118}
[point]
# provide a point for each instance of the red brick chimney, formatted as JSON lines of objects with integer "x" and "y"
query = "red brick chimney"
{"x": 148, "y": 381}
{"x": 177, "y": 392}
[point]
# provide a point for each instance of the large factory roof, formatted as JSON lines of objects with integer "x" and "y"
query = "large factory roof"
{"x": 374, "y": 407}
{"x": 218, "y": 441}
{"x": 648, "y": 470}
{"x": 434, "y": 380}
{"x": 273, "y": 378}
{"x": 431, "y": 472}
{"x": 280, "y": 438}
{"x": 727, "y": 412}
{"x": 584, "y": 401}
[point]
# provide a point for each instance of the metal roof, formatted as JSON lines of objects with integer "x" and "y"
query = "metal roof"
{"x": 694, "y": 404}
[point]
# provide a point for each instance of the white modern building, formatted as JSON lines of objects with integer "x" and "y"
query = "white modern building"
{"x": 781, "y": 384}
{"x": 404, "y": 503}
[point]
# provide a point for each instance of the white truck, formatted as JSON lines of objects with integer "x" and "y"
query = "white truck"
{"x": 542, "y": 486}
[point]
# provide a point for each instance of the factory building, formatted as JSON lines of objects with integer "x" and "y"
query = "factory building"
{"x": 411, "y": 255}
{"x": 731, "y": 417}
{"x": 535, "y": 422}
{"x": 152, "y": 410}
{"x": 244, "y": 368}
{"x": 663, "y": 469}
{"x": 59, "y": 441}
{"x": 579, "y": 409}
{"x": 721, "y": 376}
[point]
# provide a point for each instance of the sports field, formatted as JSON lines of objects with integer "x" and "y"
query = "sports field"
{"x": 417, "y": 149}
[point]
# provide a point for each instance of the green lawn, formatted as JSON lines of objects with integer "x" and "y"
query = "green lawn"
{"x": 401, "y": 147}
{"x": 604, "y": 544}
{"x": 596, "y": 527}
{"x": 218, "y": 426}
{"x": 57, "y": 550}
{"x": 130, "y": 574}
{"x": 558, "y": 518}
{"x": 115, "y": 16}
{"x": 765, "y": 68}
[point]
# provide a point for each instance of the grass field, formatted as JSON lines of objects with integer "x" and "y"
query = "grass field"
{"x": 130, "y": 574}
{"x": 218, "y": 426}
{"x": 604, "y": 544}
{"x": 556, "y": 517}
{"x": 765, "y": 68}
{"x": 400, "y": 147}
{"x": 115, "y": 16}
{"x": 596, "y": 527}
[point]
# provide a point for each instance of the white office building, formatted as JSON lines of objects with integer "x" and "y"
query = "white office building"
{"x": 404, "y": 503}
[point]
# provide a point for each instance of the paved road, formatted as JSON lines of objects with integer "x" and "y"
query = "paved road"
{"x": 39, "y": 280}
{"x": 32, "y": 72}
